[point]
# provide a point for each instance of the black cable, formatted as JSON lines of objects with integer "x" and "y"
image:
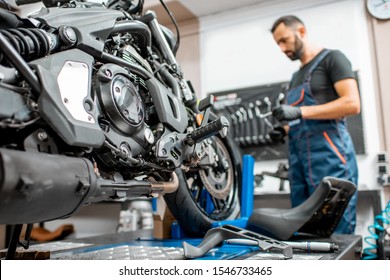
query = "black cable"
{"x": 16, "y": 60}
{"x": 138, "y": 8}
{"x": 176, "y": 47}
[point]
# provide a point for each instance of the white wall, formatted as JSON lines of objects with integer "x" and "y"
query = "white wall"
{"x": 238, "y": 51}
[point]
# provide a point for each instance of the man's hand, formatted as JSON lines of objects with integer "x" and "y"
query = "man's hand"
{"x": 277, "y": 134}
{"x": 287, "y": 113}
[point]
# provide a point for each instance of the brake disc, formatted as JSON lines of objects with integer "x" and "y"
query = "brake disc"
{"x": 218, "y": 184}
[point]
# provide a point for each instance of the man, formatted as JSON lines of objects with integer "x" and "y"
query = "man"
{"x": 321, "y": 94}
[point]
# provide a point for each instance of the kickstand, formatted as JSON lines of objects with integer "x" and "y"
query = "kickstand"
{"x": 215, "y": 236}
{"x": 15, "y": 241}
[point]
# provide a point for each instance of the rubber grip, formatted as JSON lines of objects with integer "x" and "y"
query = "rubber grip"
{"x": 209, "y": 130}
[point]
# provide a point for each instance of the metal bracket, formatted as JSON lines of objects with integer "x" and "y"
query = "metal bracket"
{"x": 216, "y": 236}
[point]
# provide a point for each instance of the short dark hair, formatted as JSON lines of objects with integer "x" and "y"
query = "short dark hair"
{"x": 289, "y": 20}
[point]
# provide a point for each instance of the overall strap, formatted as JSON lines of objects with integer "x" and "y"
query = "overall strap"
{"x": 317, "y": 61}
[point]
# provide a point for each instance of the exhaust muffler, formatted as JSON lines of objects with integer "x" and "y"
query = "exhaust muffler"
{"x": 36, "y": 187}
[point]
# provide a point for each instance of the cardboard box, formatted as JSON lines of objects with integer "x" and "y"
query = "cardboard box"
{"x": 162, "y": 220}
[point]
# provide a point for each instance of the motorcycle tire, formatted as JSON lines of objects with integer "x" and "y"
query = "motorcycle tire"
{"x": 194, "y": 206}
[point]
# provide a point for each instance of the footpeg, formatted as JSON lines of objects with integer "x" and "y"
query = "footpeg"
{"x": 208, "y": 130}
{"x": 216, "y": 236}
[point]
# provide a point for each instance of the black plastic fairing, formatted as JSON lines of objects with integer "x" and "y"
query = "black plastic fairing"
{"x": 36, "y": 187}
{"x": 171, "y": 111}
{"x": 52, "y": 106}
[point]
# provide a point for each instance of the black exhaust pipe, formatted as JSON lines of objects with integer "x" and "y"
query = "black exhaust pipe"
{"x": 36, "y": 187}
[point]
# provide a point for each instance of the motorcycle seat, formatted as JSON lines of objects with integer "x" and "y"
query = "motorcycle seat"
{"x": 318, "y": 215}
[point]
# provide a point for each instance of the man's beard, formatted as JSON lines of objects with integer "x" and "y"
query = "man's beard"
{"x": 298, "y": 49}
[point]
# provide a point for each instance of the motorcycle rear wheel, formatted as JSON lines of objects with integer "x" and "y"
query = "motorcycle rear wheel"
{"x": 196, "y": 204}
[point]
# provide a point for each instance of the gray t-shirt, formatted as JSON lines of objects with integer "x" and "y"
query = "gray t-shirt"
{"x": 333, "y": 68}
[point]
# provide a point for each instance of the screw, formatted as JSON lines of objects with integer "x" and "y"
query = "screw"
{"x": 125, "y": 150}
{"x": 108, "y": 73}
{"x": 42, "y": 136}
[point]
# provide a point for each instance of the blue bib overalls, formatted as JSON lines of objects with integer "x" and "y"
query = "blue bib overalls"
{"x": 319, "y": 148}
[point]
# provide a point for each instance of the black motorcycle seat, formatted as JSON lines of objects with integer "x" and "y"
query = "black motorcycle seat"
{"x": 318, "y": 215}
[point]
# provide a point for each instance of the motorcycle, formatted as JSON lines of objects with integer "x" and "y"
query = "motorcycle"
{"x": 94, "y": 107}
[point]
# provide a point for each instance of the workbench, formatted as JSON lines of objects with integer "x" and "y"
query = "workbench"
{"x": 140, "y": 245}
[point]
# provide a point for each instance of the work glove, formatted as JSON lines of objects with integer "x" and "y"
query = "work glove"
{"x": 287, "y": 113}
{"x": 278, "y": 134}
